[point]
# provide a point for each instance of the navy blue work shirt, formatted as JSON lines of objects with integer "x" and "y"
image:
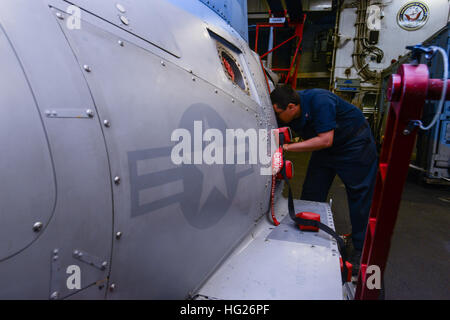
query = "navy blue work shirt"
{"x": 323, "y": 111}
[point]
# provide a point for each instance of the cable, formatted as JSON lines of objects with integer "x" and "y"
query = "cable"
{"x": 272, "y": 200}
{"x": 427, "y": 172}
{"x": 362, "y": 48}
{"x": 444, "y": 89}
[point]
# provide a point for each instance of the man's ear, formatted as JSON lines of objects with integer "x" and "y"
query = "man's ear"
{"x": 275, "y": 107}
{"x": 291, "y": 107}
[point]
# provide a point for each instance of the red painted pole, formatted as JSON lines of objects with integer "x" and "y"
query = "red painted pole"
{"x": 256, "y": 38}
{"x": 435, "y": 87}
{"x": 286, "y": 41}
{"x": 408, "y": 90}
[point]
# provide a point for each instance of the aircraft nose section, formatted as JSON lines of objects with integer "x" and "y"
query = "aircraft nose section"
{"x": 27, "y": 188}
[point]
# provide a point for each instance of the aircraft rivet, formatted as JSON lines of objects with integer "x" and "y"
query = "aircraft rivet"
{"x": 37, "y": 226}
{"x": 121, "y": 43}
{"x": 232, "y": 100}
{"x": 112, "y": 287}
{"x": 104, "y": 264}
{"x": 60, "y": 16}
{"x": 76, "y": 252}
{"x": 163, "y": 64}
{"x": 54, "y": 295}
{"x": 87, "y": 68}
{"x": 55, "y": 257}
{"x": 117, "y": 180}
{"x": 55, "y": 251}
{"x": 118, "y": 235}
{"x": 80, "y": 254}
{"x": 90, "y": 113}
{"x": 124, "y": 20}
{"x": 193, "y": 78}
{"x": 121, "y": 8}
{"x": 216, "y": 91}
{"x": 107, "y": 123}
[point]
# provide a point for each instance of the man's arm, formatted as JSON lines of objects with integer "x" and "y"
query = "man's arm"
{"x": 322, "y": 141}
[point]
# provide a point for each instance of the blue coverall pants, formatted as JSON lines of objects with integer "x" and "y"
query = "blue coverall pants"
{"x": 356, "y": 164}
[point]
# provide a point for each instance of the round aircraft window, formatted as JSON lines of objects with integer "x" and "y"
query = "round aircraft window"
{"x": 232, "y": 69}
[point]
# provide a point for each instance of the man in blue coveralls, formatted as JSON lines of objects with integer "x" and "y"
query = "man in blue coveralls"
{"x": 342, "y": 143}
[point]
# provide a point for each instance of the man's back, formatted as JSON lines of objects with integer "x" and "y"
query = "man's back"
{"x": 324, "y": 111}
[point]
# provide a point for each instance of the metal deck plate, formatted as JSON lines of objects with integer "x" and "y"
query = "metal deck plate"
{"x": 288, "y": 231}
{"x": 281, "y": 262}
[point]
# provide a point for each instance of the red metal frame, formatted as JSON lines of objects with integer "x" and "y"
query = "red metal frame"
{"x": 408, "y": 91}
{"x": 291, "y": 76}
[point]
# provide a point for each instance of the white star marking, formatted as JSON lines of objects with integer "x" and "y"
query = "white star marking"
{"x": 213, "y": 176}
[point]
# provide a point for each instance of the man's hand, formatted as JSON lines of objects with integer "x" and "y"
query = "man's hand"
{"x": 322, "y": 141}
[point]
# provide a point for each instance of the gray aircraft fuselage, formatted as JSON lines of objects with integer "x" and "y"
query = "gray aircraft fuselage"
{"x": 88, "y": 103}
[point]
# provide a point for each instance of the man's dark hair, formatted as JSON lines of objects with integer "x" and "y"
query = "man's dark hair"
{"x": 283, "y": 95}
